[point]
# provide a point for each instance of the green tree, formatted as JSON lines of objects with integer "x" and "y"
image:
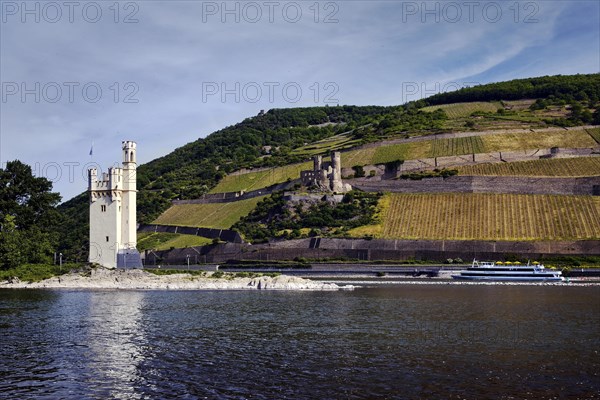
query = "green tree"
{"x": 27, "y": 211}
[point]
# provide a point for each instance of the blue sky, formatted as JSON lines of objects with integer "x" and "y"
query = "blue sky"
{"x": 170, "y": 72}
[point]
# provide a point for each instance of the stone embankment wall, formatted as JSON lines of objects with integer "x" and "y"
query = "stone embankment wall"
{"x": 496, "y": 157}
{"x": 484, "y": 184}
{"x": 229, "y": 197}
{"x": 428, "y": 164}
{"x": 222, "y": 234}
{"x": 372, "y": 250}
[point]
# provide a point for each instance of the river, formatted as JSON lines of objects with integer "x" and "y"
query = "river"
{"x": 401, "y": 341}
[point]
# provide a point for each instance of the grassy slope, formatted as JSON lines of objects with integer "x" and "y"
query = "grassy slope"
{"x": 217, "y": 215}
{"x": 164, "y": 241}
{"x": 491, "y": 217}
{"x": 566, "y": 167}
{"x": 458, "y": 110}
{"x": 259, "y": 180}
{"x": 535, "y": 140}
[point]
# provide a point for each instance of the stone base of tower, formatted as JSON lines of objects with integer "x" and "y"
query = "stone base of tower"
{"x": 129, "y": 259}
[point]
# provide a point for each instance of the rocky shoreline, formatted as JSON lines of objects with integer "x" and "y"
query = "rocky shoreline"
{"x": 101, "y": 278}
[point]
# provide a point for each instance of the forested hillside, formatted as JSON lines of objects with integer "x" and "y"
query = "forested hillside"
{"x": 565, "y": 88}
{"x": 277, "y": 137}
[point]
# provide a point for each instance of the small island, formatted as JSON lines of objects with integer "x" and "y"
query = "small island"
{"x": 137, "y": 279}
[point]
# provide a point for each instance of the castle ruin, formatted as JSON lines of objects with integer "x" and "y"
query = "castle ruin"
{"x": 326, "y": 176}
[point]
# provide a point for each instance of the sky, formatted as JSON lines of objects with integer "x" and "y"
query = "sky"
{"x": 85, "y": 75}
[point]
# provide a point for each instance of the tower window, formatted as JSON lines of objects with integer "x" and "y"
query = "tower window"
{"x": 107, "y": 238}
{"x": 103, "y": 208}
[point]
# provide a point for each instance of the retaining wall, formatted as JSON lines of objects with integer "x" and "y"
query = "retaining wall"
{"x": 372, "y": 250}
{"x": 484, "y": 184}
{"x": 229, "y": 197}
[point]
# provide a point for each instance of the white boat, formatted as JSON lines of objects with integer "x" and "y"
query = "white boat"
{"x": 498, "y": 271}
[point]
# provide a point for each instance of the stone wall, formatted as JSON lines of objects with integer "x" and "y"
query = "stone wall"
{"x": 372, "y": 250}
{"x": 495, "y": 157}
{"x": 229, "y": 197}
{"x": 485, "y": 184}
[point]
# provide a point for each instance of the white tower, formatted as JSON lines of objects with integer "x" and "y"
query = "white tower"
{"x": 113, "y": 223}
{"x": 128, "y": 216}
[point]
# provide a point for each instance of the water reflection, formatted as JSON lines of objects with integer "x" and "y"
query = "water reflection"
{"x": 115, "y": 339}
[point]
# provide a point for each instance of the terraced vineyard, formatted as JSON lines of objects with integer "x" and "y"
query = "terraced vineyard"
{"x": 492, "y": 217}
{"x": 568, "y": 167}
{"x": 359, "y": 157}
{"x": 595, "y": 134}
{"x": 459, "y": 110}
{"x": 468, "y": 145}
{"x": 457, "y": 146}
{"x": 538, "y": 140}
{"x": 215, "y": 215}
{"x": 403, "y": 151}
{"x": 259, "y": 180}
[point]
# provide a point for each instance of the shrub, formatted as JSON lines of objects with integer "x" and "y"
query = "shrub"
{"x": 359, "y": 171}
{"x": 217, "y": 274}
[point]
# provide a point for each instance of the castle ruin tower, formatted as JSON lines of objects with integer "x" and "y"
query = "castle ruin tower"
{"x": 113, "y": 224}
{"x": 336, "y": 184}
{"x": 317, "y": 163}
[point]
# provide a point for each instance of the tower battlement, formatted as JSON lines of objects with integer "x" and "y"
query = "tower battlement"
{"x": 113, "y": 225}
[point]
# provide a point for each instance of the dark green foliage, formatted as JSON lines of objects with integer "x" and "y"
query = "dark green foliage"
{"x": 596, "y": 117}
{"x": 405, "y": 120}
{"x": 568, "y": 88}
{"x": 218, "y": 274}
{"x": 27, "y": 213}
{"x": 36, "y": 272}
{"x": 73, "y": 228}
{"x": 274, "y": 217}
{"x": 359, "y": 171}
{"x": 27, "y": 198}
{"x": 572, "y": 261}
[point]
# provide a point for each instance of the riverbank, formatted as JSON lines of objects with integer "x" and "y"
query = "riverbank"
{"x": 437, "y": 281}
{"x": 101, "y": 278}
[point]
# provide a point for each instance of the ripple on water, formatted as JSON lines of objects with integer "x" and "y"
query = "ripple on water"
{"x": 406, "y": 342}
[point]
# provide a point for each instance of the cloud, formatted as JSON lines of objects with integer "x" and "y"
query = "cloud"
{"x": 176, "y": 48}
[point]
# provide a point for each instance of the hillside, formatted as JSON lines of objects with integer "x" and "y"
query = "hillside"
{"x": 280, "y": 140}
{"x": 431, "y": 147}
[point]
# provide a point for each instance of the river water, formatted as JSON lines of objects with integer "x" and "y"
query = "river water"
{"x": 405, "y": 341}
